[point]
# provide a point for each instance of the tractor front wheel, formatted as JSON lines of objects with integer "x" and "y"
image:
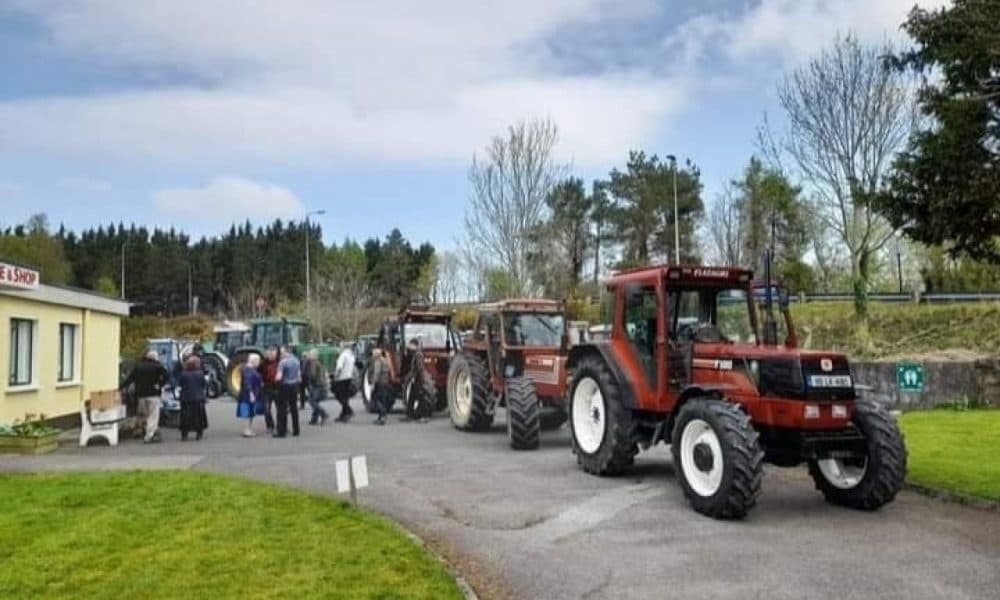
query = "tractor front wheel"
{"x": 368, "y": 391}
{"x": 469, "y": 398}
{"x": 419, "y": 396}
{"x": 871, "y": 481}
{"x": 523, "y": 429}
{"x": 603, "y": 428}
{"x": 717, "y": 458}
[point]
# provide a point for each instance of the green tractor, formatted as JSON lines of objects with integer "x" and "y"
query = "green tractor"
{"x": 272, "y": 333}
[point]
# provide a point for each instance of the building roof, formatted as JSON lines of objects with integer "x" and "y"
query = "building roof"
{"x": 66, "y": 296}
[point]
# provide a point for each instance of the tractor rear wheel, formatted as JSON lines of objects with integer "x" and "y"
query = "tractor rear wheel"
{"x": 419, "y": 396}
{"x": 234, "y": 374}
{"x": 603, "y": 428}
{"x": 872, "y": 481}
{"x": 717, "y": 458}
{"x": 523, "y": 428}
{"x": 215, "y": 371}
{"x": 469, "y": 398}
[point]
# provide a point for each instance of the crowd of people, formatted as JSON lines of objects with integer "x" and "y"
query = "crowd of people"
{"x": 274, "y": 388}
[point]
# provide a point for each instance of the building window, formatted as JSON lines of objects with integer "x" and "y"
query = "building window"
{"x": 67, "y": 352}
{"x": 22, "y": 351}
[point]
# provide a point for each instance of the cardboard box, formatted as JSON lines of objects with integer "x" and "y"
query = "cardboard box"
{"x": 104, "y": 400}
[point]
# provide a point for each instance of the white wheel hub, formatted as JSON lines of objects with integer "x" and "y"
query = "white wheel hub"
{"x": 463, "y": 395}
{"x": 369, "y": 387}
{"x": 840, "y": 474}
{"x": 589, "y": 415}
{"x": 701, "y": 458}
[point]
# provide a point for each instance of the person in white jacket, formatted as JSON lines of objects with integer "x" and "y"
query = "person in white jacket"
{"x": 343, "y": 382}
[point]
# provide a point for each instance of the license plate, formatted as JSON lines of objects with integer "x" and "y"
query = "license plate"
{"x": 830, "y": 381}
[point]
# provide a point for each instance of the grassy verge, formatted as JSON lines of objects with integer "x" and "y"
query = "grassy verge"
{"x": 955, "y": 451}
{"x": 190, "y": 535}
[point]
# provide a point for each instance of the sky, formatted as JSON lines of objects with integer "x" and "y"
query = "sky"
{"x": 194, "y": 114}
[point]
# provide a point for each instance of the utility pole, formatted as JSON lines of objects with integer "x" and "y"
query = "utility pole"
{"x": 899, "y": 263}
{"x": 308, "y": 267}
{"x": 677, "y": 225}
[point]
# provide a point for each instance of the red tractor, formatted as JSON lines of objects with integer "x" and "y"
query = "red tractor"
{"x": 690, "y": 363}
{"x": 438, "y": 343}
{"x": 515, "y": 358}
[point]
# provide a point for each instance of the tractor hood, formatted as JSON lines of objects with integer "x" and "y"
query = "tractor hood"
{"x": 784, "y": 372}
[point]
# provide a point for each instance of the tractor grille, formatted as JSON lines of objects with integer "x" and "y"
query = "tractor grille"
{"x": 793, "y": 378}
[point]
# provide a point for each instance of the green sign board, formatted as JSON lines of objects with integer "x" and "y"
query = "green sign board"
{"x": 910, "y": 377}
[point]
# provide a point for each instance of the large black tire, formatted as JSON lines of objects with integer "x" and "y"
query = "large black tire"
{"x": 609, "y": 444}
{"x": 215, "y": 371}
{"x": 552, "y": 417}
{"x": 420, "y": 396}
{"x": 478, "y": 415}
{"x": 739, "y": 451}
{"x": 884, "y": 465}
{"x": 523, "y": 427}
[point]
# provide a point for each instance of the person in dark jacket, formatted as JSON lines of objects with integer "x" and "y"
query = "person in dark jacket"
{"x": 415, "y": 373}
{"x": 149, "y": 377}
{"x": 317, "y": 387}
{"x": 269, "y": 374}
{"x": 382, "y": 378}
{"x": 192, "y": 386}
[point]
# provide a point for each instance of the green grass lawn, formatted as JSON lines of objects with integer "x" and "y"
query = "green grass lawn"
{"x": 955, "y": 451}
{"x": 192, "y": 535}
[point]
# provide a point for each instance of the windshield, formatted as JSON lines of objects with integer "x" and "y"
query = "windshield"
{"x": 732, "y": 316}
{"x": 533, "y": 329}
{"x": 431, "y": 335}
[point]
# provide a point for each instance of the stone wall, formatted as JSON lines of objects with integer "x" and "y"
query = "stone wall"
{"x": 944, "y": 383}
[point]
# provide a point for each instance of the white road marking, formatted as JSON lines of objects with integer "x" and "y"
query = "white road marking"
{"x": 593, "y": 512}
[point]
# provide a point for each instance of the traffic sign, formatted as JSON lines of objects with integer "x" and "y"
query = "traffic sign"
{"x": 910, "y": 377}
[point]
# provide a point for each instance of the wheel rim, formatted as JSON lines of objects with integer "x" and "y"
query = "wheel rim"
{"x": 406, "y": 396}
{"x": 842, "y": 475}
{"x": 368, "y": 387}
{"x": 235, "y": 379}
{"x": 463, "y": 395}
{"x": 589, "y": 415}
{"x": 701, "y": 458}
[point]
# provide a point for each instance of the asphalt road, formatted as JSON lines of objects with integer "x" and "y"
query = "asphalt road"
{"x": 531, "y": 525}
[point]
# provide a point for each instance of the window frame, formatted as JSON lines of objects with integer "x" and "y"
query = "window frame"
{"x": 74, "y": 340}
{"x": 15, "y": 343}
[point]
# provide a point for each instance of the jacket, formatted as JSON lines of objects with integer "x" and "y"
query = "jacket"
{"x": 149, "y": 377}
{"x": 345, "y": 369}
{"x": 192, "y": 385}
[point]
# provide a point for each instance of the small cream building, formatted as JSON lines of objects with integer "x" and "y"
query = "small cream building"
{"x": 57, "y": 345}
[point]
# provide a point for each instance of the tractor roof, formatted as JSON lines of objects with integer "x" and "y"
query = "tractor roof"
{"x": 423, "y": 313}
{"x": 228, "y": 326}
{"x": 270, "y": 320}
{"x": 691, "y": 274}
{"x": 529, "y": 305}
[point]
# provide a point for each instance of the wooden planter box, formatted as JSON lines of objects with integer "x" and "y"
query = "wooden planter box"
{"x": 10, "y": 444}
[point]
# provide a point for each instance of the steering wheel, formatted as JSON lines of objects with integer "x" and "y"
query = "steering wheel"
{"x": 705, "y": 333}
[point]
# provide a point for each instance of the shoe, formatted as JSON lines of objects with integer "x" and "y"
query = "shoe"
{"x": 425, "y": 420}
{"x": 154, "y": 440}
{"x": 249, "y": 434}
{"x": 198, "y": 436}
{"x": 313, "y": 423}
{"x": 184, "y": 437}
{"x": 323, "y": 421}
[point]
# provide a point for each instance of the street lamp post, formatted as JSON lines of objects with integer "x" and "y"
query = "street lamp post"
{"x": 899, "y": 263}
{"x": 308, "y": 268}
{"x": 677, "y": 225}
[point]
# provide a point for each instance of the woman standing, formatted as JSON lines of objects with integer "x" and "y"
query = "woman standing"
{"x": 250, "y": 389}
{"x": 192, "y": 385}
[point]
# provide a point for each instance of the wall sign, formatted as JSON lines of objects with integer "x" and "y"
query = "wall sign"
{"x": 20, "y": 278}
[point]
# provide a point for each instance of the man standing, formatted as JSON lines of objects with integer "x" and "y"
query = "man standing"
{"x": 381, "y": 377}
{"x": 289, "y": 378}
{"x": 317, "y": 387}
{"x": 343, "y": 382}
{"x": 149, "y": 377}
{"x": 413, "y": 381}
{"x": 269, "y": 374}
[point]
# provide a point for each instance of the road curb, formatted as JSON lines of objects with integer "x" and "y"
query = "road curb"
{"x": 954, "y": 498}
{"x": 463, "y": 584}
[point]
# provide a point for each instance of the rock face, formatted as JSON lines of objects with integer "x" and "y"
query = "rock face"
{"x": 975, "y": 382}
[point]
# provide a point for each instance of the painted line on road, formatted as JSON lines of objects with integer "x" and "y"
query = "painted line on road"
{"x": 593, "y": 512}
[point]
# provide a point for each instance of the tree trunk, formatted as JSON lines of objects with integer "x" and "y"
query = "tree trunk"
{"x": 859, "y": 281}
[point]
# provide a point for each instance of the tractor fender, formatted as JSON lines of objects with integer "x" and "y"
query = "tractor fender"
{"x": 602, "y": 350}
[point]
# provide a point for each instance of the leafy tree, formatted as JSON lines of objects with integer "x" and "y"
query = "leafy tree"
{"x": 33, "y": 246}
{"x": 944, "y": 188}
{"x": 641, "y": 215}
{"x": 560, "y": 244}
{"x": 500, "y": 284}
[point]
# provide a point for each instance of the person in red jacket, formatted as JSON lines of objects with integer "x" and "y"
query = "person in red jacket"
{"x": 269, "y": 373}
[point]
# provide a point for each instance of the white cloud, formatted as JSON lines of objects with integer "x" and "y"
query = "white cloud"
{"x": 314, "y": 81}
{"x": 225, "y": 200}
{"x": 791, "y": 29}
{"x": 85, "y": 185}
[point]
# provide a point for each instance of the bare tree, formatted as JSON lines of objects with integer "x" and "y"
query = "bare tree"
{"x": 848, "y": 115}
{"x": 725, "y": 227}
{"x": 448, "y": 277}
{"x": 509, "y": 186}
{"x": 344, "y": 295}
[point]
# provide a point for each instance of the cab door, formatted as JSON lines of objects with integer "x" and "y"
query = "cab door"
{"x": 641, "y": 340}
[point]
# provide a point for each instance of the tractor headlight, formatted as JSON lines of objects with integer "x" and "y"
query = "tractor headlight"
{"x": 508, "y": 371}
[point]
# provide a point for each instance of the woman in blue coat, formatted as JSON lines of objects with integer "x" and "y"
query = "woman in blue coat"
{"x": 250, "y": 390}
